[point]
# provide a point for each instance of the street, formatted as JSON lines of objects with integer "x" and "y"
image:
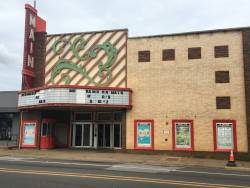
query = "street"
{"x": 35, "y": 172}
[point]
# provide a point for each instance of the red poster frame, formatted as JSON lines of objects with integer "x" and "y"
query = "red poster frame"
{"x": 215, "y": 134}
{"x": 37, "y": 126}
{"x": 191, "y": 132}
{"x": 152, "y": 135}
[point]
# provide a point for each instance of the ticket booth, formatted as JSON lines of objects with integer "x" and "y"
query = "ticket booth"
{"x": 47, "y": 139}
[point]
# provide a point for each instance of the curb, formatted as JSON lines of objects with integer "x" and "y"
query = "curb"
{"x": 237, "y": 168}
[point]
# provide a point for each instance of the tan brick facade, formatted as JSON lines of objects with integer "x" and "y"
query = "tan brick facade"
{"x": 185, "y": 89}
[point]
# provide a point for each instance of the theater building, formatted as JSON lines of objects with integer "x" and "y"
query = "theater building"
{"x": 103, "y": 89}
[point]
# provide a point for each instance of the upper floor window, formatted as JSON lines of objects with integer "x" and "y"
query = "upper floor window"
{"x": 194, "y": 53}
{"x": 168, "y": 54}
{"x": 83, "y": 116}
{"x": 222, "y": 77}
{"x": 223, "y": 102}
{"x": 144, "y": 56}
{"x": 221, "y": 51}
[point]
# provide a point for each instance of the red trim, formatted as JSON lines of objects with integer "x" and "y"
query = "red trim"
{"x": 234, "y": 134}
{"x": 152, "y": 134}
{"x": 75, "y": 87}
{"x": 36, "y": 133}
{"x": 74, "y": 105}
{"x": 40, "y": 24}
{"x": 192, "y": 134}
{"x": 28, "y": 72}
{"x": 77, "y": 105}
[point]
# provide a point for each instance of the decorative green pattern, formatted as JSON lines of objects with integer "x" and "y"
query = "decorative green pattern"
{"x": 76, "y": 47}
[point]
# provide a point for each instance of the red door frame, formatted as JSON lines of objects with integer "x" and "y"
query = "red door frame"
{"x": 48, "y": 141}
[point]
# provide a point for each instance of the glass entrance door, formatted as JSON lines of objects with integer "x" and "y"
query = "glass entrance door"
{"x": 82, "y": 135}
{"x": 109, "y": 135}
{"x": 117, "y": 135}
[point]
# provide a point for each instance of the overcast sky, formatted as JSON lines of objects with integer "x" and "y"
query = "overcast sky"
{"x": 141, "y": 17}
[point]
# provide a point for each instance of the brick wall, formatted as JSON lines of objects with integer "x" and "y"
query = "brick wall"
{"x": 186, "y": 89}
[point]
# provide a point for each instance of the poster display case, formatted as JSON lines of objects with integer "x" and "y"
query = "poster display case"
{"x": 183, "y": 138}
{"x": 144, "y": 134}
{"x": 29, "y": 134}
{"x": 224, "y": 135}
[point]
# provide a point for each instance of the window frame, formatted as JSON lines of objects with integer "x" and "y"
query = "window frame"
{"x": 219, "y": 107}
{"x": 190, "y": 51}
{"x": 81, "y": 120}
{"x": 144, "y": 51}
{"x": 168, "y": 50}
{"x": 151, "y": 147}
{"x": 233, "y": 122}
{"x": 174, "y": 122}
{"x": 217, "y": 76}
{"x": 219, "y": 55}
{"x": 101, "y": 113}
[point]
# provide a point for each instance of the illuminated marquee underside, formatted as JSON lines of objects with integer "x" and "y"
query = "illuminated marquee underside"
{"x": 75, "y": 96}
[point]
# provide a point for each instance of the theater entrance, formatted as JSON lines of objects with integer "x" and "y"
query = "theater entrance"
{"x": 97, "y": 130}
{"x": 96, "y": 135}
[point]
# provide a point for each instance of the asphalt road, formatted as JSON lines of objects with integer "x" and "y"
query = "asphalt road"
{"x": 31, "y": 172}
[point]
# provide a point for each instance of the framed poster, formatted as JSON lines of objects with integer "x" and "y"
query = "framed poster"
{"x": 29, "y": 133}
{"x": 183, "y": 134}
{"x": 224, "y": 135}
{"x": 144, "y": 134}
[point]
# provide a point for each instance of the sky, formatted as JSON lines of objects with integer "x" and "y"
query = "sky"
{"x": 140, "y": 17}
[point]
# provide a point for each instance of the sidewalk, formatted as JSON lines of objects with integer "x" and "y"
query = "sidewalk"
{"x": 120, "y": 157}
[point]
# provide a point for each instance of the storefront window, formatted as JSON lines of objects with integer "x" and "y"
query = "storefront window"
{"x": 183, "y": 134}
{"x": 144, "y": 134}
{"x": 5, "y": 126}
{"x": 117, "y": 116}
{"x": 82, "y": 116}
{"x": 224, "y": 133}
{"x": 104, "y": 116}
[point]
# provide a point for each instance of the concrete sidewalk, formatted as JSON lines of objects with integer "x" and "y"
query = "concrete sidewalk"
{"x": 120, "y": 157}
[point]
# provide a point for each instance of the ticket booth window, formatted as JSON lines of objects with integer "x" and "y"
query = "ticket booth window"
{"x": 47, "y": 134}
{"x": 44, "y": 129}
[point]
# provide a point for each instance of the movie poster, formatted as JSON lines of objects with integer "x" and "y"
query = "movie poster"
{"x": 183, "y": 135}
{"x": 144, "y": 134}
{"x": 224, "y": 135}
{"x": 29, "y": 134}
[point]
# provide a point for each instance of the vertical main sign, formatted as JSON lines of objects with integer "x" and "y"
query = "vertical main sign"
{"x": 33, "y": 23}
